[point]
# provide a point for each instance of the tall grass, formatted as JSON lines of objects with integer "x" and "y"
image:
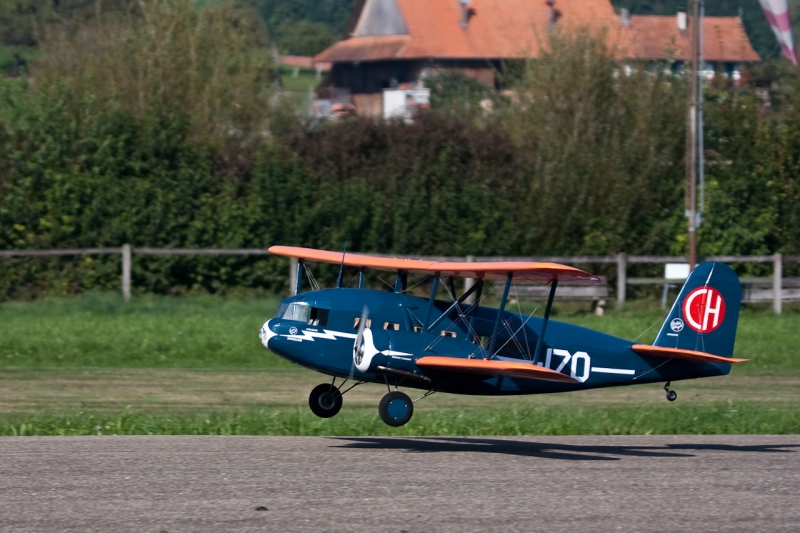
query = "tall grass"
{"x": 214, "y": 332}
{"x": 103, "y": 331}
{"x": 722, "y": 418}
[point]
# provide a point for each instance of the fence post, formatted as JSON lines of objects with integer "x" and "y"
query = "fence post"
{"x": 292, "y": 274}
{"x": 469, "y": 282}
{"x": 777, "y": 284}
{"x": 622, "y": 278}
{"x": 126, "y": 272}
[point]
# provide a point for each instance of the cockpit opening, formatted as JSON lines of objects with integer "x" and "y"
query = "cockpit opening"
{"x": 302, "y": 312}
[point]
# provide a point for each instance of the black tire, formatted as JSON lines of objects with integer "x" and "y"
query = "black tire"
{"x": 325, "y": 400}
{"x": 396, "y": 409}
{"x": 672, "y": 396}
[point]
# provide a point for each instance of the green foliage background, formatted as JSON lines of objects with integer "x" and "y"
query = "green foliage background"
{"x": 139, "y": 129}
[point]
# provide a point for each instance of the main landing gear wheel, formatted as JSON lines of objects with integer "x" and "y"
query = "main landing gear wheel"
{"x": 396, "y": 408}
{"x": 325, "y": 400}
{"x": 671, "y": 394}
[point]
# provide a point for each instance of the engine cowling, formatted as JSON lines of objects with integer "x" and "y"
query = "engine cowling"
{"x": 366, "y": 355}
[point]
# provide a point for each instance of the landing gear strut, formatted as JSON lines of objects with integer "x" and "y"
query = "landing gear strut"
{"x": 396, "y": 408}
{"x": 325, "y": 400}
{"x": 671, "y": 394}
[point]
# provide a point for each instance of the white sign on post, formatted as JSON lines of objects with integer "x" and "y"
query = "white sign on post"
{"x": 676, "y": 271}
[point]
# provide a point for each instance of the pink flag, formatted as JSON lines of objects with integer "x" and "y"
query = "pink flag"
{"x": 777, "y": 12}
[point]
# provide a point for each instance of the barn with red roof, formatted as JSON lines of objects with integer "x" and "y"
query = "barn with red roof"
{"x": 400, "y": 43}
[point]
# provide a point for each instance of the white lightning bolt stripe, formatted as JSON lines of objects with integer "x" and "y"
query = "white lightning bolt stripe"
{"x": 623, "y": 371}
{"x": 324, "y": 334}
{"x": 392, "y": 352}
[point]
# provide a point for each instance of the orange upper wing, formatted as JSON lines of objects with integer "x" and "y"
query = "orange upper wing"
{"x": 686, "y": 355}
{"x": 489, "y": 367}
{"x": 528, "y": 271}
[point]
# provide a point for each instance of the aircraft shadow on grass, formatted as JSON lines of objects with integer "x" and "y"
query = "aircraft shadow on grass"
{"x": 549, "y": 450}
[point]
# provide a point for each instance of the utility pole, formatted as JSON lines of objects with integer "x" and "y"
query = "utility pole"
{"x": 692, "y": 131}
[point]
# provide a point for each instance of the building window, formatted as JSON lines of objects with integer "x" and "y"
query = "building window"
{"x": 392, "y": 326}
{"x": 451, "y": 334}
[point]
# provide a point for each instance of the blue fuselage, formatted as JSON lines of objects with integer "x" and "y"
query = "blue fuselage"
{"x": 318, "y": 330}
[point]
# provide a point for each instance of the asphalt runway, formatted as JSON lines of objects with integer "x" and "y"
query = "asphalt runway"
{"x": 196, "y": 484}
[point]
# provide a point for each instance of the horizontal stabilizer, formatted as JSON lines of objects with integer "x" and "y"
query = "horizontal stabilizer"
{"x": 488, "y": 367}
{"x": 542, "y": 272}
{"x": 686, "y": 355}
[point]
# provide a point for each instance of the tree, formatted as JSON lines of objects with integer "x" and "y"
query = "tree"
{"x": 304, "y": 38}
{"x": 454, "y": 92}
{"x": 210, "y": 65}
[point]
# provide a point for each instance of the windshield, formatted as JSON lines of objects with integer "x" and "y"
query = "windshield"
{"x": 299, "y": 311}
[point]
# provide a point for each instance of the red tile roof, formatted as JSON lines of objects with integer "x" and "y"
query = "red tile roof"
{"x": 506, "y": 29}
{"x": 498, "y": 29}
{"x": 724, "y": 39}
{"x": 367, "y": 49}
{"x": 303, "y": 62}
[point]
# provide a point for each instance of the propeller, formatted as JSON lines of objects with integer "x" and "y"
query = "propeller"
{"x": 358, "y": 346}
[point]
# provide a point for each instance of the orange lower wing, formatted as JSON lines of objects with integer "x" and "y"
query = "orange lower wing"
{"x": 488, "y": 367}
{"x": 686, "y": 355}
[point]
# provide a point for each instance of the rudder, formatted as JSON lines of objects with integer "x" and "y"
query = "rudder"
{"x": 705, "y": 315}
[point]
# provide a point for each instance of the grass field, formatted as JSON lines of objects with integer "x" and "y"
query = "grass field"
{"x": 194, "y": 365}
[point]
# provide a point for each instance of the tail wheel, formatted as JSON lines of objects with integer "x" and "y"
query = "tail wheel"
{"x": 325, "y": 400}
{"x": 396, "y": 408}
{"x": 672, "y": 396}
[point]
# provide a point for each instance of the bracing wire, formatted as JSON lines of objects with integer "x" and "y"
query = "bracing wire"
{"x": 311, "y": 279}
{"x": 661, "y": 320}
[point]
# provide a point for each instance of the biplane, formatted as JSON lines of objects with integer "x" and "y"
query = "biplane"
{"x": 456, "y": 345}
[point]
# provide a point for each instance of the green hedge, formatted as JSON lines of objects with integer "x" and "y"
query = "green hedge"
{"x": 74, "y": 174}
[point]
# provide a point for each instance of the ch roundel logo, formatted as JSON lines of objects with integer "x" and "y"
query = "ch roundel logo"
{"x": 704, "y": 309}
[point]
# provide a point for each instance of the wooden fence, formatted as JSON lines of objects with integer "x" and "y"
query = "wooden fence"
{"x": 758, "y": 287}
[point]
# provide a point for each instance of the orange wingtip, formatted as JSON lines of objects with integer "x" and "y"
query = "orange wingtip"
{"x": 686, "y": 355}
{"x": 527, "y": 271}
{"x": 489, "y": 367}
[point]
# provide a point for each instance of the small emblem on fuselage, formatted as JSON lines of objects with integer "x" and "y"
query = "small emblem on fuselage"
{"x": 292, "y": 330}
{"x": 676, "y": 325}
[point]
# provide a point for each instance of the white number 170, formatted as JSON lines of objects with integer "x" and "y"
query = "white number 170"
{"x": 575, "y": 359}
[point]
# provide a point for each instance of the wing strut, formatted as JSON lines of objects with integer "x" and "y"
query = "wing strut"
{"x": 500, "y": 312}
{"x": 540, "y": 342}
{"x": 453, "y": 306}
{"x": 401, "y": 281}
{"x": 341, "y": 268}
{"x": 474, "y": 311}
{"x": 434, "y": 290}
{"x": 299, "y": 283}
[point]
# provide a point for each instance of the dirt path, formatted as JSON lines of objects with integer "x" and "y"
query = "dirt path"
{"x": 66, "y": 390}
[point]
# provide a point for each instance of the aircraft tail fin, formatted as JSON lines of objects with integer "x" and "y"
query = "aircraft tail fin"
{"x": 706, "y": 312}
